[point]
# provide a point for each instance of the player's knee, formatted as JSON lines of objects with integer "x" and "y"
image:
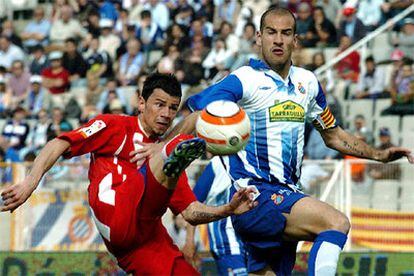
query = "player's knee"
{"x": 340, "y": 223}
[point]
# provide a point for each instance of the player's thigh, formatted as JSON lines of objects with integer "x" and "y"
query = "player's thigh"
{"x": 231, "y": 265}
{"x": 267, "y": 271}
{"x": 309, "y": 217}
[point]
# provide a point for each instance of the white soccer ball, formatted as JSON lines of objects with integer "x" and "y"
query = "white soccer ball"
{"x": 224, "y": 126}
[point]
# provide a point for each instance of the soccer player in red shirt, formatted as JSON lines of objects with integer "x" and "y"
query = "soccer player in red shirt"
{"x": 127, "y": 199}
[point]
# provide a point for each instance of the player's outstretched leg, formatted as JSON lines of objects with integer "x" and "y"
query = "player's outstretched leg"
{"x": 183, "y": 154}
{"x": 313, "y": 220}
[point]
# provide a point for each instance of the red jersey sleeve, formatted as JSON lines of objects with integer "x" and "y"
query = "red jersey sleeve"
{"x": 182, "y": 196}
{"x": 94, "y": 136}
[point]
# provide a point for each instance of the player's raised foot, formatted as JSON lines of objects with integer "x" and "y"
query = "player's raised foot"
{"x": 183, "y": 154}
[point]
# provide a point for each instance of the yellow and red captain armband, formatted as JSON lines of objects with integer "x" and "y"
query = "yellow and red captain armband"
{"x": 325, "y": 120}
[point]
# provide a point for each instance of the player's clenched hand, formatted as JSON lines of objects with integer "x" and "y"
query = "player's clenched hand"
{"x": 144, "y": 151}
{"x": 15, "y": 195}
{"x": 242, "y": 201}
{"x": 189, "y": 252}
{"x": 395, "y": 153}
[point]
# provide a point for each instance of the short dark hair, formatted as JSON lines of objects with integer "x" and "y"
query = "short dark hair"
{"x": 279, "y": 11}
{"x": 166, "y": 82}
{"x": 370, "y": 59}
{"x": 71, "y": 40}
{"x": 145, "y": 14}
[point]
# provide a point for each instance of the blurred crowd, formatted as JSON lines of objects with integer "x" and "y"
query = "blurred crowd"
{"x": 74, "y": 59}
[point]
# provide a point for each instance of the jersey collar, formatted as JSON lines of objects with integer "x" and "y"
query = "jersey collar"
{"x": 282, "y": 84}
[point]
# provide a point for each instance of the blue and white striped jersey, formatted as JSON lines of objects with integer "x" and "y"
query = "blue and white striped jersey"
{"x": 213, "y": 188}
{"x": 277, "y": 109}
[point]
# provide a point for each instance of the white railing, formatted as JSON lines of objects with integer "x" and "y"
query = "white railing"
{"x": 365, "y": 40}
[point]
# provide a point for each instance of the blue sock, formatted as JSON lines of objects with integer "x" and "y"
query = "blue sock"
{"x": 324, "y": 255}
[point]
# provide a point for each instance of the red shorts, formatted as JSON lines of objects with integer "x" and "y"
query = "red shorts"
{"x": 132, "y": 228}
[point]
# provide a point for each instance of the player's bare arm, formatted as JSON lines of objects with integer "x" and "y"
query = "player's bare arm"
{"x": 340, "y": 140}
{"x": 199, "y": 213}
{"x": 15, "y": 195}
{"x": 189, "y": 248}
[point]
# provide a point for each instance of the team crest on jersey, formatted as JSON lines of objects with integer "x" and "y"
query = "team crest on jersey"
{"x": 301, "y": 88}
{"x": 95, "y": 127}
{"x": 287, "y": 111}
{"x": 277, "y": 199}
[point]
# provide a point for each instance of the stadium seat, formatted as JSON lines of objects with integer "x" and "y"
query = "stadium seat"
{"x": 381, "y": 48}
{"x": 380, "y": 105}
{"x": 385, "y": 195}
{"x": 330, "y": 53}
{"x": 364, "y": 107}
{"x": 407, "y": 131}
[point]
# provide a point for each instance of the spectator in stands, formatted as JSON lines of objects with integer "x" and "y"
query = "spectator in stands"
{"x": 316, "y": 149}
{"x": 351, "y": 26}
{"x": 189, "y": 69}
{"x": 397, "y": 58}
{"x": 92, "y": 23}
{"x": 159, "y": 12}
{"x": 348, "y": 67}
{"x": 332, "y": 9}
{"x": 245, "y": 16}
{"x": 246, "y": 50}
{"x": 303, "y": 24}
{"x": 85, "y": 8}
{"x": 107, "y": 10}
{"x": 369, "y": 12}
{"x": 402, "y": 93}
{"x": 327, "y": 78}
{"x": 216, "y": 59}
{"x": 9, "y": 52}
{"x": 371, "y": 85}
{"x": 116, "y": 107}
{"x": 38, "y": 98}
{"x": 111, "y": 92}
{"x": 39, "y": 60}
{"x": 14, "y": 135}
{"x": 9, "y": 31}
{"x": 206, "y": 10}
{"x": 131, "y": 63}
{"x": 183, "y": 13}
{"x": 391, "y": 8}
{"x": 405, "y": 38}
{"x": 123, "y": 22}
{"x": 198, "y": 31}
{"x": 149, "y": 32}
{"x": 56, "y": 79}
{"x": 177, "y": 37}
{"x": 322, "y": 32}
{"x": 37, "y": 137}
{"x": 384, "y": 171}
{"x": 226, "y": 10}
{"x": 19, "y": 82}
{"x": 99, "y": 62}
{"x": 166, "y": 65}
{"x": 65, "y": 27}
{"x": 58, "y": 125}
{"x": 108, "y": 41}
{"x": 361, "y": 129}
{"x": 5, "y": 98}
{"x": 92, "y": 97}
{"x": 230, "y": 39}
{"x": 73, "y": 61}
{"x": 37, "y": 31}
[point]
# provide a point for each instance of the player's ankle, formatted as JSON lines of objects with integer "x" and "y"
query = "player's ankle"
{"x": 170, "y": 145}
